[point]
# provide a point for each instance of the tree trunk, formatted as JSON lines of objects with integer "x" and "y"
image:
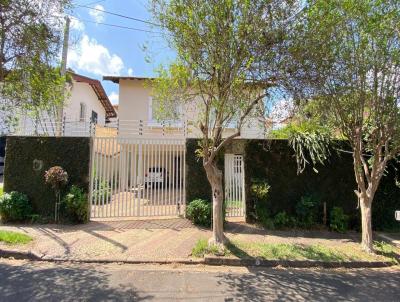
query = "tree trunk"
{"x": 366, "y": 224}
{"x": 214, "y": 176}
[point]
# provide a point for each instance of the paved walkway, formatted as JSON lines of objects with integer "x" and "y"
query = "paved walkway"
{"x": 124, "y": 240}
{"x": 162, "y": 239}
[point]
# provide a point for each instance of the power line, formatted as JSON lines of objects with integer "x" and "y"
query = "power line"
{"x": 91, "y": 3}
{"x": 119, "y": 15}
{"x": 118, "y": 26}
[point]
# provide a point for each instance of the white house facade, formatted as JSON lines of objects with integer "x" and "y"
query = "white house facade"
{"x": 136, "y": 110}
{"x": 86, "y": 108}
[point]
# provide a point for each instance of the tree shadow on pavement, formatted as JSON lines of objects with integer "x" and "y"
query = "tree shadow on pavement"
{"x": 56, "y": 283}
{"x": 312, "y": 285}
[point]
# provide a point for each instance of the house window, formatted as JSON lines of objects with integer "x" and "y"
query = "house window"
{"x": 94, "y": 117}
{"x": 82, "y": 112}
{"x": 173, "y": 116}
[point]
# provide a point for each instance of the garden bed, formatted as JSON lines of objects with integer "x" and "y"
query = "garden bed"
{"x": 345, "y": 252}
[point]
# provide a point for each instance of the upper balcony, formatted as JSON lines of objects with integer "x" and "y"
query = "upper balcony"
{"x": 128, "y": 129}
{"x": 113, "y": 128}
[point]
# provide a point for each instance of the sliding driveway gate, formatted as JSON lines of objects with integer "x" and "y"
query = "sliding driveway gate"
{"x": 137, "y": 177}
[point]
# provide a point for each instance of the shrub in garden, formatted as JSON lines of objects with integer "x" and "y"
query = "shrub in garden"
{"x": 199, "y": 212}
{"x": 259, "y": 192}
{"x": 15, "y": 206}
{"x": 75, "y": 204}
{"x": 338, "y": 220}
{"x": 283, "y": 220}
{"x": 263, "y": 216}
{"x": 56, "y": 177}
{"x": 307, "y": 210}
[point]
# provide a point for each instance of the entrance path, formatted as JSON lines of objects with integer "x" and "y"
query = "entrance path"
{"x": 162, "y": 239}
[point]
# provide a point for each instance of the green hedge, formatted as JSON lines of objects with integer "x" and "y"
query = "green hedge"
{"x": 273, "y": 161}
{"x": 197, "y": 185}
{"x": 27, "y": 158}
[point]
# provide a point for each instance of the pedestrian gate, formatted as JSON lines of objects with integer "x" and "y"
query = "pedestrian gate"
{"x": 234, "y": 186}
{"x": 137, "y": 177}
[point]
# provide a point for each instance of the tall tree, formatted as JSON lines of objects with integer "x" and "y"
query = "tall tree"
{"x": 30, "y": 40}
{"x": 345, "y": 59}
{"x": 228, "y": 56}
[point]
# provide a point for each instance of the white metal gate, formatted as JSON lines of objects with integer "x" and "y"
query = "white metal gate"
{"x": 234, "y": 186}
{"x": 136, "y": 177}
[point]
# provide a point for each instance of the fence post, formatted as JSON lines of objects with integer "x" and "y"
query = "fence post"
{"x": 63, "y": 126}
{"x": 163, "y": 128}
{"x": 140, "y": 127}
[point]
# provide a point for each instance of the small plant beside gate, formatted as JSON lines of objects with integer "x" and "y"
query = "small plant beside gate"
{"x": 199, "y": 212}
{"x": 57, "y": 178}
{"x": 75, "y": 204}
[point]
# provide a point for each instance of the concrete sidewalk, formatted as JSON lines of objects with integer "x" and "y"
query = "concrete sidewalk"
{"x": 150, "y": 240}
{"x": 124, "y": 240}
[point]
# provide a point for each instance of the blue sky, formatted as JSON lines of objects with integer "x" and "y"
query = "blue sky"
{"x": 97, "y": 50}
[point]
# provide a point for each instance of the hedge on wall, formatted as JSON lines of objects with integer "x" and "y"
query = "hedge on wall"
{"x": 27, "y": 158}
{"x": 197, "y": 185}
{"x": 273, "y": 161}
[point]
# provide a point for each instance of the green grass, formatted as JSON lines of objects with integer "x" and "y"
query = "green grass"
{"x": 14, "y": 237}
{"x": 289, "y": 251}
{"x": 1, "y": 190}
{"x": 283, "y": 251}
{"x": 201, "y": 248}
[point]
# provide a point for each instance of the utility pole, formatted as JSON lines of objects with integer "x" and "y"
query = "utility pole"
{"x": 63, "y": 71}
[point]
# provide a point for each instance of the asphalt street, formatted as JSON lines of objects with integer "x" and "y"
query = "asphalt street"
{"x": 42, "y": 281}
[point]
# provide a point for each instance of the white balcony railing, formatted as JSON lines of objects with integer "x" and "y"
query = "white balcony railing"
{"x": 114, "y": 128}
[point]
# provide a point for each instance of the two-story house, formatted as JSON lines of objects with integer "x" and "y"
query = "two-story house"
{"x": 136, "y": 111}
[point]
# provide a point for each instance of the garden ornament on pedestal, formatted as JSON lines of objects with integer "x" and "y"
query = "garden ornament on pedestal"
{"x": 57, "y": 178}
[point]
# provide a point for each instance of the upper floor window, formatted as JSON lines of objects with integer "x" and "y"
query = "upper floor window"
{"x": 94, "y": 117}
{"x": 154, "y": 113}
{"x": 82, "y": 112}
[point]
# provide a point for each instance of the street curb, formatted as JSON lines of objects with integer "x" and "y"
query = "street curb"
{"x": 207, "y": 260}
{"x": 19, "y": 255}
{"x": 211, "y": 260}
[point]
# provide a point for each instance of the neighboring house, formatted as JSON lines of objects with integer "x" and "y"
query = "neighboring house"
{"x": 87, "y": 107}
{"x": 88, "y": 101}
{"x": 136, "y": 112}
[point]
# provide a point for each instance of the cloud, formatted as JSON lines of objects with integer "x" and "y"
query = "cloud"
{"x": 114, "y": 97}
{"x": 130, "y": 72}
{"x": 97, "y": 13}
{"x": 92, "y": 57}
{"x": 77, "y": 25}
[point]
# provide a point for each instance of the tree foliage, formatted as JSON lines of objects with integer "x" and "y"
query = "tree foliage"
{"x": 30, "y": 40}
{"x": 345, "y": 60}
{"x": 228, "y": 57}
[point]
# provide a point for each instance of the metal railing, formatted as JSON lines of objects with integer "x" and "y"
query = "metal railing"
{"x": 113, "y": 128}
